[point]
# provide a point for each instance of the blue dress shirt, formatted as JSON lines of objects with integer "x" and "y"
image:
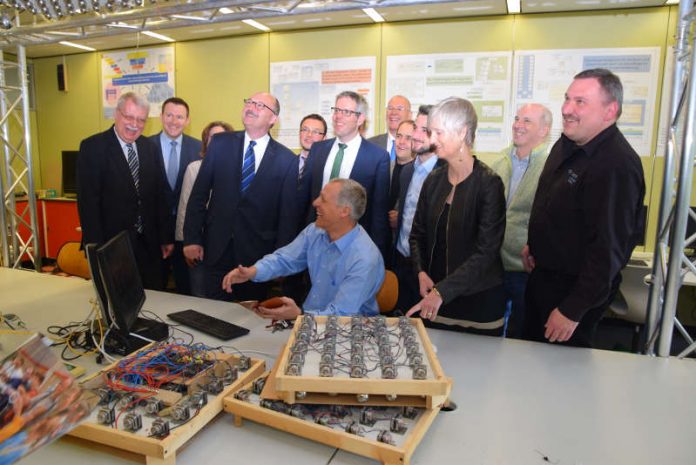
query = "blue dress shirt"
{"x": 346, "y": 274}
{"x": 420, "y": 172}
{"x": 519, "y": 167}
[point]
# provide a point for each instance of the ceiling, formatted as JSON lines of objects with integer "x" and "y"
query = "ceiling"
{"x": 114, "y": 24}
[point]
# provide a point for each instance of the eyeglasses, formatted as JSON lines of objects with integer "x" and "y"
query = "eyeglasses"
{"x": 133, "y": 119}
{"x": 344, "y": 111}
{"x": 259, "y": 105}
{"x": 313, "y": 132}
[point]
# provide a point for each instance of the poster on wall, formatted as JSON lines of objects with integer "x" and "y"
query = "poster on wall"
{"x": 482, "y": 78}
{"x": 543, "y": 76}
{"x": 311, "y": 86}
{"x": 145, "y": 71}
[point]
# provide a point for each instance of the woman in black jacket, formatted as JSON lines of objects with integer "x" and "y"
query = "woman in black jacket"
{"x": 458, "y": 230}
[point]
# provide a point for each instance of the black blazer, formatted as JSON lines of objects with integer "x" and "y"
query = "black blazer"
{"x": 261, "y": 220}
{"x": 107, "y": 200}
{"x": 190, "y": 151}
{"x": 476, "y": 227}
{"x": 371, "y": 170}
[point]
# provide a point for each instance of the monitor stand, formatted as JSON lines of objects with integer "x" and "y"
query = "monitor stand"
{"x": 119, "y": 344}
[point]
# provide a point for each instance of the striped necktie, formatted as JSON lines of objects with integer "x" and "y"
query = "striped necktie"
{"x": 134, "y": 166}
{"x": 248, "y": 166}
{"x": 336, "y": 168}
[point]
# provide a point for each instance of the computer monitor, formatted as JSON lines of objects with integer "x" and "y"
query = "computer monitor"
{"x": 102, "y": 299}
{"x": 121, "y": 281}
{"x": 69, "y": 172}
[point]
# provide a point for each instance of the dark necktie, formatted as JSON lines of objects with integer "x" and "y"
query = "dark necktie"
{"x": 134, "y": 166}
{"x": 336, "y": 168}
{"x": 248, "y": 168}
{"x": 172, "y": 166}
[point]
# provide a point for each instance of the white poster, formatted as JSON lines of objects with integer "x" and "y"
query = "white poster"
{"x": 543, "y": 76}
{"x": 482, "y": 78}
{"x": 148, "y": 72}
{"x": 311, "y": 86}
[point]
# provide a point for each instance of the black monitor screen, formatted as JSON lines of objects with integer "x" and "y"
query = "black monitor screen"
{"x": 102, "y": 299}
{"x": 69, "y": 172}
{"x": 121, "y": 280}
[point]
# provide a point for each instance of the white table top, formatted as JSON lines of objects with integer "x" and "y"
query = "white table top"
{"x": 576, "y": 406}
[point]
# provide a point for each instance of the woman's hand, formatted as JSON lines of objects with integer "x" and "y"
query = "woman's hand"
{"x": 428, "y": 307}
{"x": 424, "y": 283}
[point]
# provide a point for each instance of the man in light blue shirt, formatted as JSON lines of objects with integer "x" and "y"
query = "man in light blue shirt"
{"x": 412, "y": 177}
{"x": 345, "y": 266}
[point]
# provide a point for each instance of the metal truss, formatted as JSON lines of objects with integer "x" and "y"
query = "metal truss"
{"x": 35, "y": 22}
{"x": 17, "y": 177}
{"x": 671, "y": 266}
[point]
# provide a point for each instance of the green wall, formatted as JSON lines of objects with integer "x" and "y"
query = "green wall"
{"x": 214, "y": 75}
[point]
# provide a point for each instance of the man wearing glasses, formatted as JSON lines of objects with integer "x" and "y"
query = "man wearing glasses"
{"x": 350, "y": 156}
{"x": 244, "y": 203}
{"x": 121, "y": 185}
{"x": 312, "y": 129}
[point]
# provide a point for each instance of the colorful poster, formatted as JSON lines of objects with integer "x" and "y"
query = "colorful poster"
{"x": 482, "y": 78}
{"x": 148, "y": 72}
{"x": 311, "y": 86}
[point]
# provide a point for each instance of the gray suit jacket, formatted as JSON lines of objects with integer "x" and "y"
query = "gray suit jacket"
{"x": 382, "y": 140}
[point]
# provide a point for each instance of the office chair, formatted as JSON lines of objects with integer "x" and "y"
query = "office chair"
{"x": 631, "y": 302}
{"x": 72, "y": 261}
{"x": 388, "y": 294}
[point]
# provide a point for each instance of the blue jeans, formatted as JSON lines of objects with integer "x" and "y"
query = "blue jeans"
{"x": 515, "y": 283}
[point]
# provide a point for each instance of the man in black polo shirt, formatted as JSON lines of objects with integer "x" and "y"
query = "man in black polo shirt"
{"x": 586, "y": 217}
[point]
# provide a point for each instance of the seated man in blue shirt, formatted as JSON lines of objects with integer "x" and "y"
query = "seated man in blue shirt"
{"x": 345, "y": 266}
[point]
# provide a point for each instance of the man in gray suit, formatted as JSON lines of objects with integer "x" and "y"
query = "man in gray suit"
{"x": 177, "y": 151}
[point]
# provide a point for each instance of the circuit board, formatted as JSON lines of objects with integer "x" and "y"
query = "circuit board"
{"x": 387, "y": 358}
{"x": 389, "y": 434}
{"x": 145, "y": 399}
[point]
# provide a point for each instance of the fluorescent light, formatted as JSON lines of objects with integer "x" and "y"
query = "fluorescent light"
{"x": 72, "y": 44}
{"x": 672, "y": 2}
{"x": 123, "y": 25}
{"x": 154, "y": 35}
{"x": 226, "y": 11}
{"x": 256, "y": 24}
{"x": 193, "y": 18}
{"x": 513, "y": 6}
{"x": 372, "y": 13}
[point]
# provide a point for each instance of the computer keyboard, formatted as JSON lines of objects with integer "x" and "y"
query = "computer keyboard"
{"x": 208, "y": 324}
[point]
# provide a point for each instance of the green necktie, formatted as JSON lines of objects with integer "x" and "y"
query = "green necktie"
{"x": 336, "y": 169}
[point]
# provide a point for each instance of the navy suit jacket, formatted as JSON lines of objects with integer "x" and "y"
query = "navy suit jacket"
{"x": 107, "y": 200}
{"x": 190, "y": 151}
{"x": 371, "y": 170}
{"x": 259, "y": 221}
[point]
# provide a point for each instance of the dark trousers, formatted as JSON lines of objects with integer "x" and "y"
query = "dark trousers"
{"x": 149, "y": 260}
{"x": 545, "y": 292}
{"x": 515, "y": 284}
{"x": 409, "y": 294}
{"x": 213, "y": 280}
{"x": 176, "y": 264}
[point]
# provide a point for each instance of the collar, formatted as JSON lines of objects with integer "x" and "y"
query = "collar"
{"x": 343, "y": 242}
{"x": 261, "y": 140}
{"x": 428, "y": 164}
{"x": 164, "y": 137}
{"x": 354, "y": 143}
{"x": 592, "y": 147}
{"x": 304, "y": 154}
{"x": 123, "y": 142}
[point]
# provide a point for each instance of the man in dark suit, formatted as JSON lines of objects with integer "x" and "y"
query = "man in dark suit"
{"x": 251, "y": 181}
{"x": 177, "y": 150}
{"x": 398, "y": 111}
{"x": 120, "y": 186}
{"x": 348, "y": 155}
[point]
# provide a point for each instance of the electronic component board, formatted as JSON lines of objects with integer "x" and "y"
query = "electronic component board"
{"x": 145, "y": 398}
{"x": 388, "y": 434}
{"x": 388, "y": 359}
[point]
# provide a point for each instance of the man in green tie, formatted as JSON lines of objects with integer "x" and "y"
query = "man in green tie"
{"x": 350, "y": 156}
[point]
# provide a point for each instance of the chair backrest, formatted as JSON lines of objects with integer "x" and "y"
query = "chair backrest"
{"x": 633, "y": 294}
{"x": 388, "y": 293}
{"x": 72, "y": 260}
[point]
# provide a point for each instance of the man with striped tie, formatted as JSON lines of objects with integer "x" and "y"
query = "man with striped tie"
{"x": 120, "y": 186}
{"x": 244, "y": 203}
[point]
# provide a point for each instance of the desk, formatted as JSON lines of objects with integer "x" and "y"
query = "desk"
{"x": 577, "y": 406}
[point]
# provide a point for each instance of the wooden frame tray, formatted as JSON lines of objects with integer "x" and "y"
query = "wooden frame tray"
{"x": 162, "y": 451}
{"x": 387, "y": 454}
{"x": 312, "y": 388}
